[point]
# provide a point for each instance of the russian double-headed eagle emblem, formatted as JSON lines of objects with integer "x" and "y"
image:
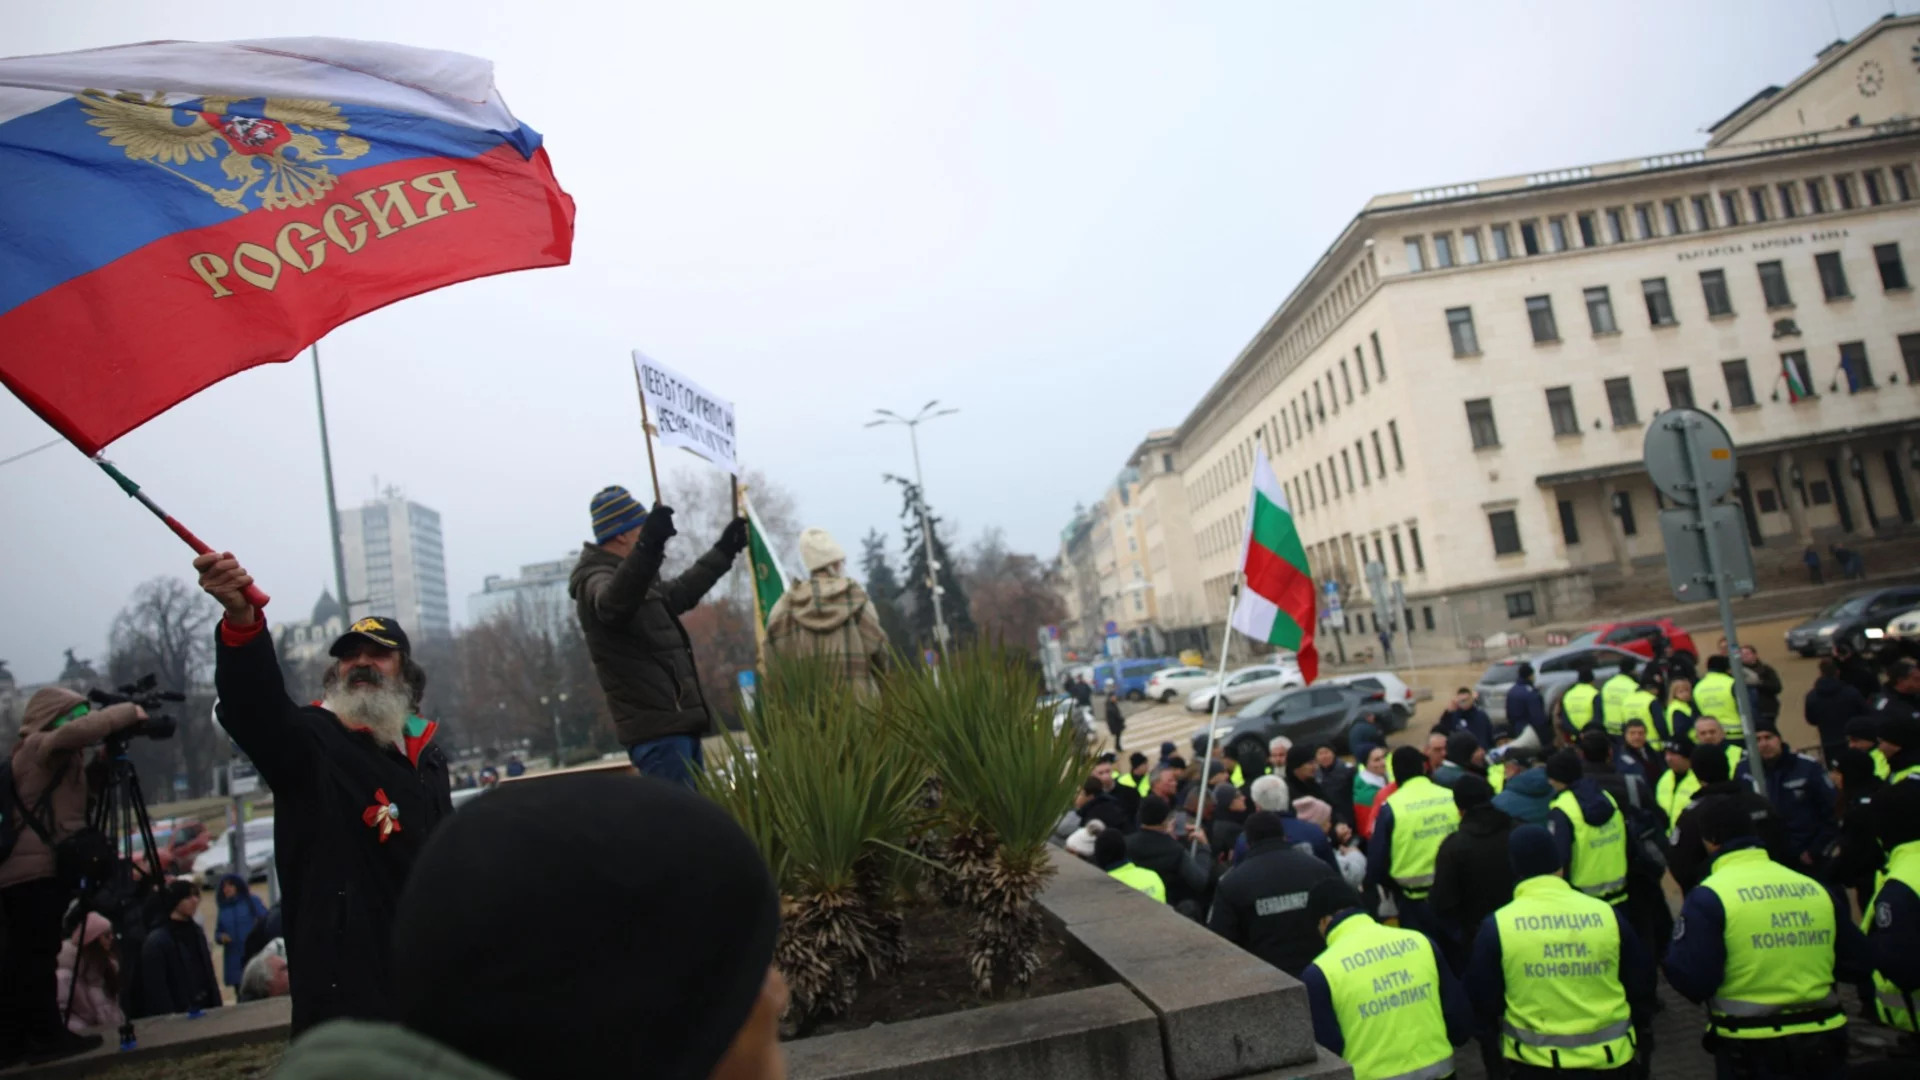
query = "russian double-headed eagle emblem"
{"x": 277, "y": 157}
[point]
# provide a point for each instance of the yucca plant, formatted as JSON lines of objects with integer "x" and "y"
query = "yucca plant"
{"x": 829, "y": 792}
{"x": 1005, "y": 774}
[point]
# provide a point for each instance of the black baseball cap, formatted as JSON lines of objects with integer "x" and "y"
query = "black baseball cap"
{"x": 378, "y": 629}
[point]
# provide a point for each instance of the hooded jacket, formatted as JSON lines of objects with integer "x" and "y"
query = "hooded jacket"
{"x": 1261, "y": 904}
{"x": 641, "y": 654}
{"x": 1526, "y": 796}
{"x": 1830, "y": 704}
{"x": 44, "y": 753}
{"x": 830, "y": 617}
{"x": 235, "y": 921}
{"x": 1473, "y": 874}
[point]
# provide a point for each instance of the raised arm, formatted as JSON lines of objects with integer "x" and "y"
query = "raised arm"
{"x": 614, "y": 596}
{"x": 254, "y": 706}
{"x": 685, "y": 591}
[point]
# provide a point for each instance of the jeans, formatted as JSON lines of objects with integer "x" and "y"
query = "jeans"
{"x": 675, "y": 758}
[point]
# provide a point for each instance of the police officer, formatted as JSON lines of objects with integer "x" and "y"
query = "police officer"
{"x": 1801, "y": 794}
{"x": 1580, "y": 705}
{"x": 1714, "y": 696}
{"x": 1892, "y": 919}
{"x": 1863, "y": 733}
{"x": 1641, "y": 702}
{"x": 1132, "y": 787}
{"x": 1407, "y": 832}
{"x": 1761, "y": 946}
{"x": 1708, "y": 732}
{"x": 1676, "y": 712}
{"x": 1261, "y": 904}
{"x": 1678, "y": 784}
{"x": 1690, "y": 857}
{"x": 1900, "y": 742}
{"x": 1613, "y": 697}
{"x": 1110, "y": 854}
{"x": 1560, "y": 975}
{"x": 1588, "y": 829}
{"x": 1382, "y": 998}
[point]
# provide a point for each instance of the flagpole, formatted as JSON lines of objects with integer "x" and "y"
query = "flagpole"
{"x": 753, "y": 582}
{"x": 253, "y": 593}
{"x": 333, "y": 511}
{"x": 1226, "y": 643}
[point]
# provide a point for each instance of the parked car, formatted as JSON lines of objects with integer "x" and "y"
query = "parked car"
{"x": 1397, "y": 694}
{"x": 1134, "y": 675}
{"x": 1553, "y": 673}
{"x": 1905, "y": 627}
{"x": 1315, "y": 715}
{"x": 1246, "y": 684}
{"x": 179, "y": 841}
{"x": 214, "y": 863}
{"x": 1637, "y": 637}
{"x": 1168, "y": 683}
{"x": 1851, "y": 619}
{"x": 1064, "y": 712}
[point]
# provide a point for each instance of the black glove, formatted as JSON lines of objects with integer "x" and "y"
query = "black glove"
{"x": 733, "y": 539}
{"x": 655, "y": 531}
{"x": 159, "y": 727}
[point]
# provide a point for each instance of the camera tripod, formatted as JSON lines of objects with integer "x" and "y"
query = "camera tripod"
{"x": 109, "y": 880}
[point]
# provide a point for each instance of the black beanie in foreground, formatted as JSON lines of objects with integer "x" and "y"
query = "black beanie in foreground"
{"x": 586, "y": 926}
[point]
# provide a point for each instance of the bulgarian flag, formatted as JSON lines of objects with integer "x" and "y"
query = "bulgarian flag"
{"x": 769, "y": 579}
{"x": 1276, "y": 605}
{"x": 1798, "y": 389}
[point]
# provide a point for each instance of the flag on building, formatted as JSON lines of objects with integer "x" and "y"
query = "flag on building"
{"x": 769, "y": 578}
{"x": 1277, "y": 593}
{"x": 1799, "y": 388}
{"x": 173, "y": 213}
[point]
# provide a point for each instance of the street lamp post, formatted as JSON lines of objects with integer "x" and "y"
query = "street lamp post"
{"x": 920, "y": 498}
{"x": 556, "y": 703}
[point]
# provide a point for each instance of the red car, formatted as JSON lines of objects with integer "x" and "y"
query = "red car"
{"x": 1637, "y": 637}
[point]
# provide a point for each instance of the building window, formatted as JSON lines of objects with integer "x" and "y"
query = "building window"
{"x": 1871, "y": 180}
{"x": 1757, "y": 198}
{"x": 1833, "y": 277}
{"x": 1530, "y": 237}
{"x": 1379, "y": 358}
{"x": 1787, "y": 207}
{"x": 1166, "y": 462}
{"x": 1643, "y": 221}
{"x": 1470, "y": 246}
{"x": 1520, "y": 605}
{"x": 1346, "y": 380}
{"x": 1600, "y": 311}
{"x": 1679, "y": 388}
{"x": 1320, "y": 477}
{"x": 1480, "y": 424}
{"x": 1843, "y": 189}
{"x": 1426, "y": 616}
{"x": 1557, "y": 232}
{"x": 1319, "y": 410}
{"x": 1659, "y": 304}
{"x": 1893, "y": 272}
{"x": 1560, "y": 407}
{"x": 1569, "y": 524}
{"x": 1739, "y": 384}
{"x": 1730, "y": 207}
{"x": 1380, "y": 459}
{"x": 1540, "y": 314}
{"x": 1799, "y": 375}
{"x": 1393, "y": 436}
{"x": 1399, "y": 560}
{"x": 1623, "y": 509}
{"x": 1702, "y": 213}
{"x": 1620, "y": 400}
{"x": 1713, "y": 284}
{"x": 1853, "y": 361}
{"x": 1419, "y": 557}
{"x": 1332, "y": 394}
{"x": 1773, "y": 285}
{"x": 1460, "y": 327}
{"x": 1589, "y": 237}
{"x": 1675, "y": 224}
{"x": 1818, "y": 493}
{"x": 1416, "y": 260}
{"x": 1346, "y": 463}
{"x": 1616, "y": 228}
{"x": 1902, "y": 183}
{"x": 1502, "y": 247}
{"x": 1360, "y": 455}
{"x": 1768, "y": 499}
{"x": 1816, "y": 196}
{"x": 1910, "y": 355}
{"x": 1506, "y": 532}
{"x": 1442, "y": 250}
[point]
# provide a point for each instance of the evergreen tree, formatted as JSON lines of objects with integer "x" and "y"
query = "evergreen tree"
{"x": 953, "y": 595}
{"x": 883, "y": 591}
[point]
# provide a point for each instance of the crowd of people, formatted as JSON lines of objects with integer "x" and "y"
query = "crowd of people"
{"x": 1507, "y": 883}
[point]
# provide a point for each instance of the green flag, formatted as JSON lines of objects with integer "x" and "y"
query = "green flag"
{"x": 769, "y": 580}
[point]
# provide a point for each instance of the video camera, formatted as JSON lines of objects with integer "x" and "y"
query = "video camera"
{"x": 144, "y": 693}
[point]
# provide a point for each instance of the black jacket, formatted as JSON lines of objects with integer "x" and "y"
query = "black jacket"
{"x": 1859, "y": 855}
{"x": 641, "y": 654}
{"x": 1857, "y": 673}
{"x": 176, "y": 970}
{"x": 332, "y": 790}
{"x": 1116, "y": 720}
{"x": 1830, "y": 704}
{"x": 1187, "y": 876}
{"x": 1766, "y": 689}
{"x": 1106, "y": 809}
{"x": 1804, "y": 799}
{"x": 1473, "y": 874}
{"x": 1689, "y": 860}
{"x": 1261, "y": 905}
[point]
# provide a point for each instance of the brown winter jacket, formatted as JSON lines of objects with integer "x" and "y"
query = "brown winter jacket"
{"x": 829, "y": 616}
{"x": 641, "y": 654}
{"x": 41, "y": 753}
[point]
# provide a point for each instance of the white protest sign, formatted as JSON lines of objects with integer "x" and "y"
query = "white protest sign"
{"x": 685, "y": 414}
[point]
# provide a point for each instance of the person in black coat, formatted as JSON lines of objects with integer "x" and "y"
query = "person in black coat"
{"x": 1854, "y": 670}
{"x": 1858, "y": 856}
{"x": 1116, "y": 720}
{"x": 1473, "y": 874}
{"x": 1186, "y": 872}
{"x": 1096, "y": 803}
{"x": 1261, "y": 904}
{"x": 1689, "y": 860}
{"x": 176, "y": 967}
{"x": 1830, "y": 705}
{"x": 1465, "y": 714}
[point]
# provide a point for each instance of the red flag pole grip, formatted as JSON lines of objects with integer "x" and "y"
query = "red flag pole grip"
{"x": 254, "y": 595}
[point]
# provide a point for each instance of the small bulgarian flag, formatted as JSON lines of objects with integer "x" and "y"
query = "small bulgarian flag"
{"x": 769, "y": 579}
{"x": 1797, "y": 389}
{"x": 1277, "y": 603}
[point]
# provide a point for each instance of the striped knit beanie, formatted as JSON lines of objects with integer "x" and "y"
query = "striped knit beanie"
{"x": 615, "y": 512}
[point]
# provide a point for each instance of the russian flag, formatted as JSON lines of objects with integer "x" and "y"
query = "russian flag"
{"x": 173, "y": 213}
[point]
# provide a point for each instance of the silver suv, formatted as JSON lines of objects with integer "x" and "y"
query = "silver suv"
{"x": 1553, "y": 673}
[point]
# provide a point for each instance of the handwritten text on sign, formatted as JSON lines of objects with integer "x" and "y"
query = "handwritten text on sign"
{"x": 685, "y": 414}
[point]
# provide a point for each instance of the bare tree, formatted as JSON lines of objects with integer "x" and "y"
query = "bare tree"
{"x": 1014, "y": 595}
{"x": 166, "y": 629}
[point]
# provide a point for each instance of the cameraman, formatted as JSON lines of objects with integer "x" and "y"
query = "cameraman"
{"x": 50, "y": 778}
{"x": 358, "y": 786}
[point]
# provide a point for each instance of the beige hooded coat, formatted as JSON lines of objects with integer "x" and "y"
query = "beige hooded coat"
{"x": 829, "y": 616}
{"x": 38, "y": 757}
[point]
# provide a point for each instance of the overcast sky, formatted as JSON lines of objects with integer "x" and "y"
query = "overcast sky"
{"x": 1063, "y": 218}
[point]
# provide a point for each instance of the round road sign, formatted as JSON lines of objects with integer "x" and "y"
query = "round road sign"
{"x": 1681, "y": 441}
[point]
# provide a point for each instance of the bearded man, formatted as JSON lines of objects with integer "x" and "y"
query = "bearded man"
{"x": 357, "y": 787}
